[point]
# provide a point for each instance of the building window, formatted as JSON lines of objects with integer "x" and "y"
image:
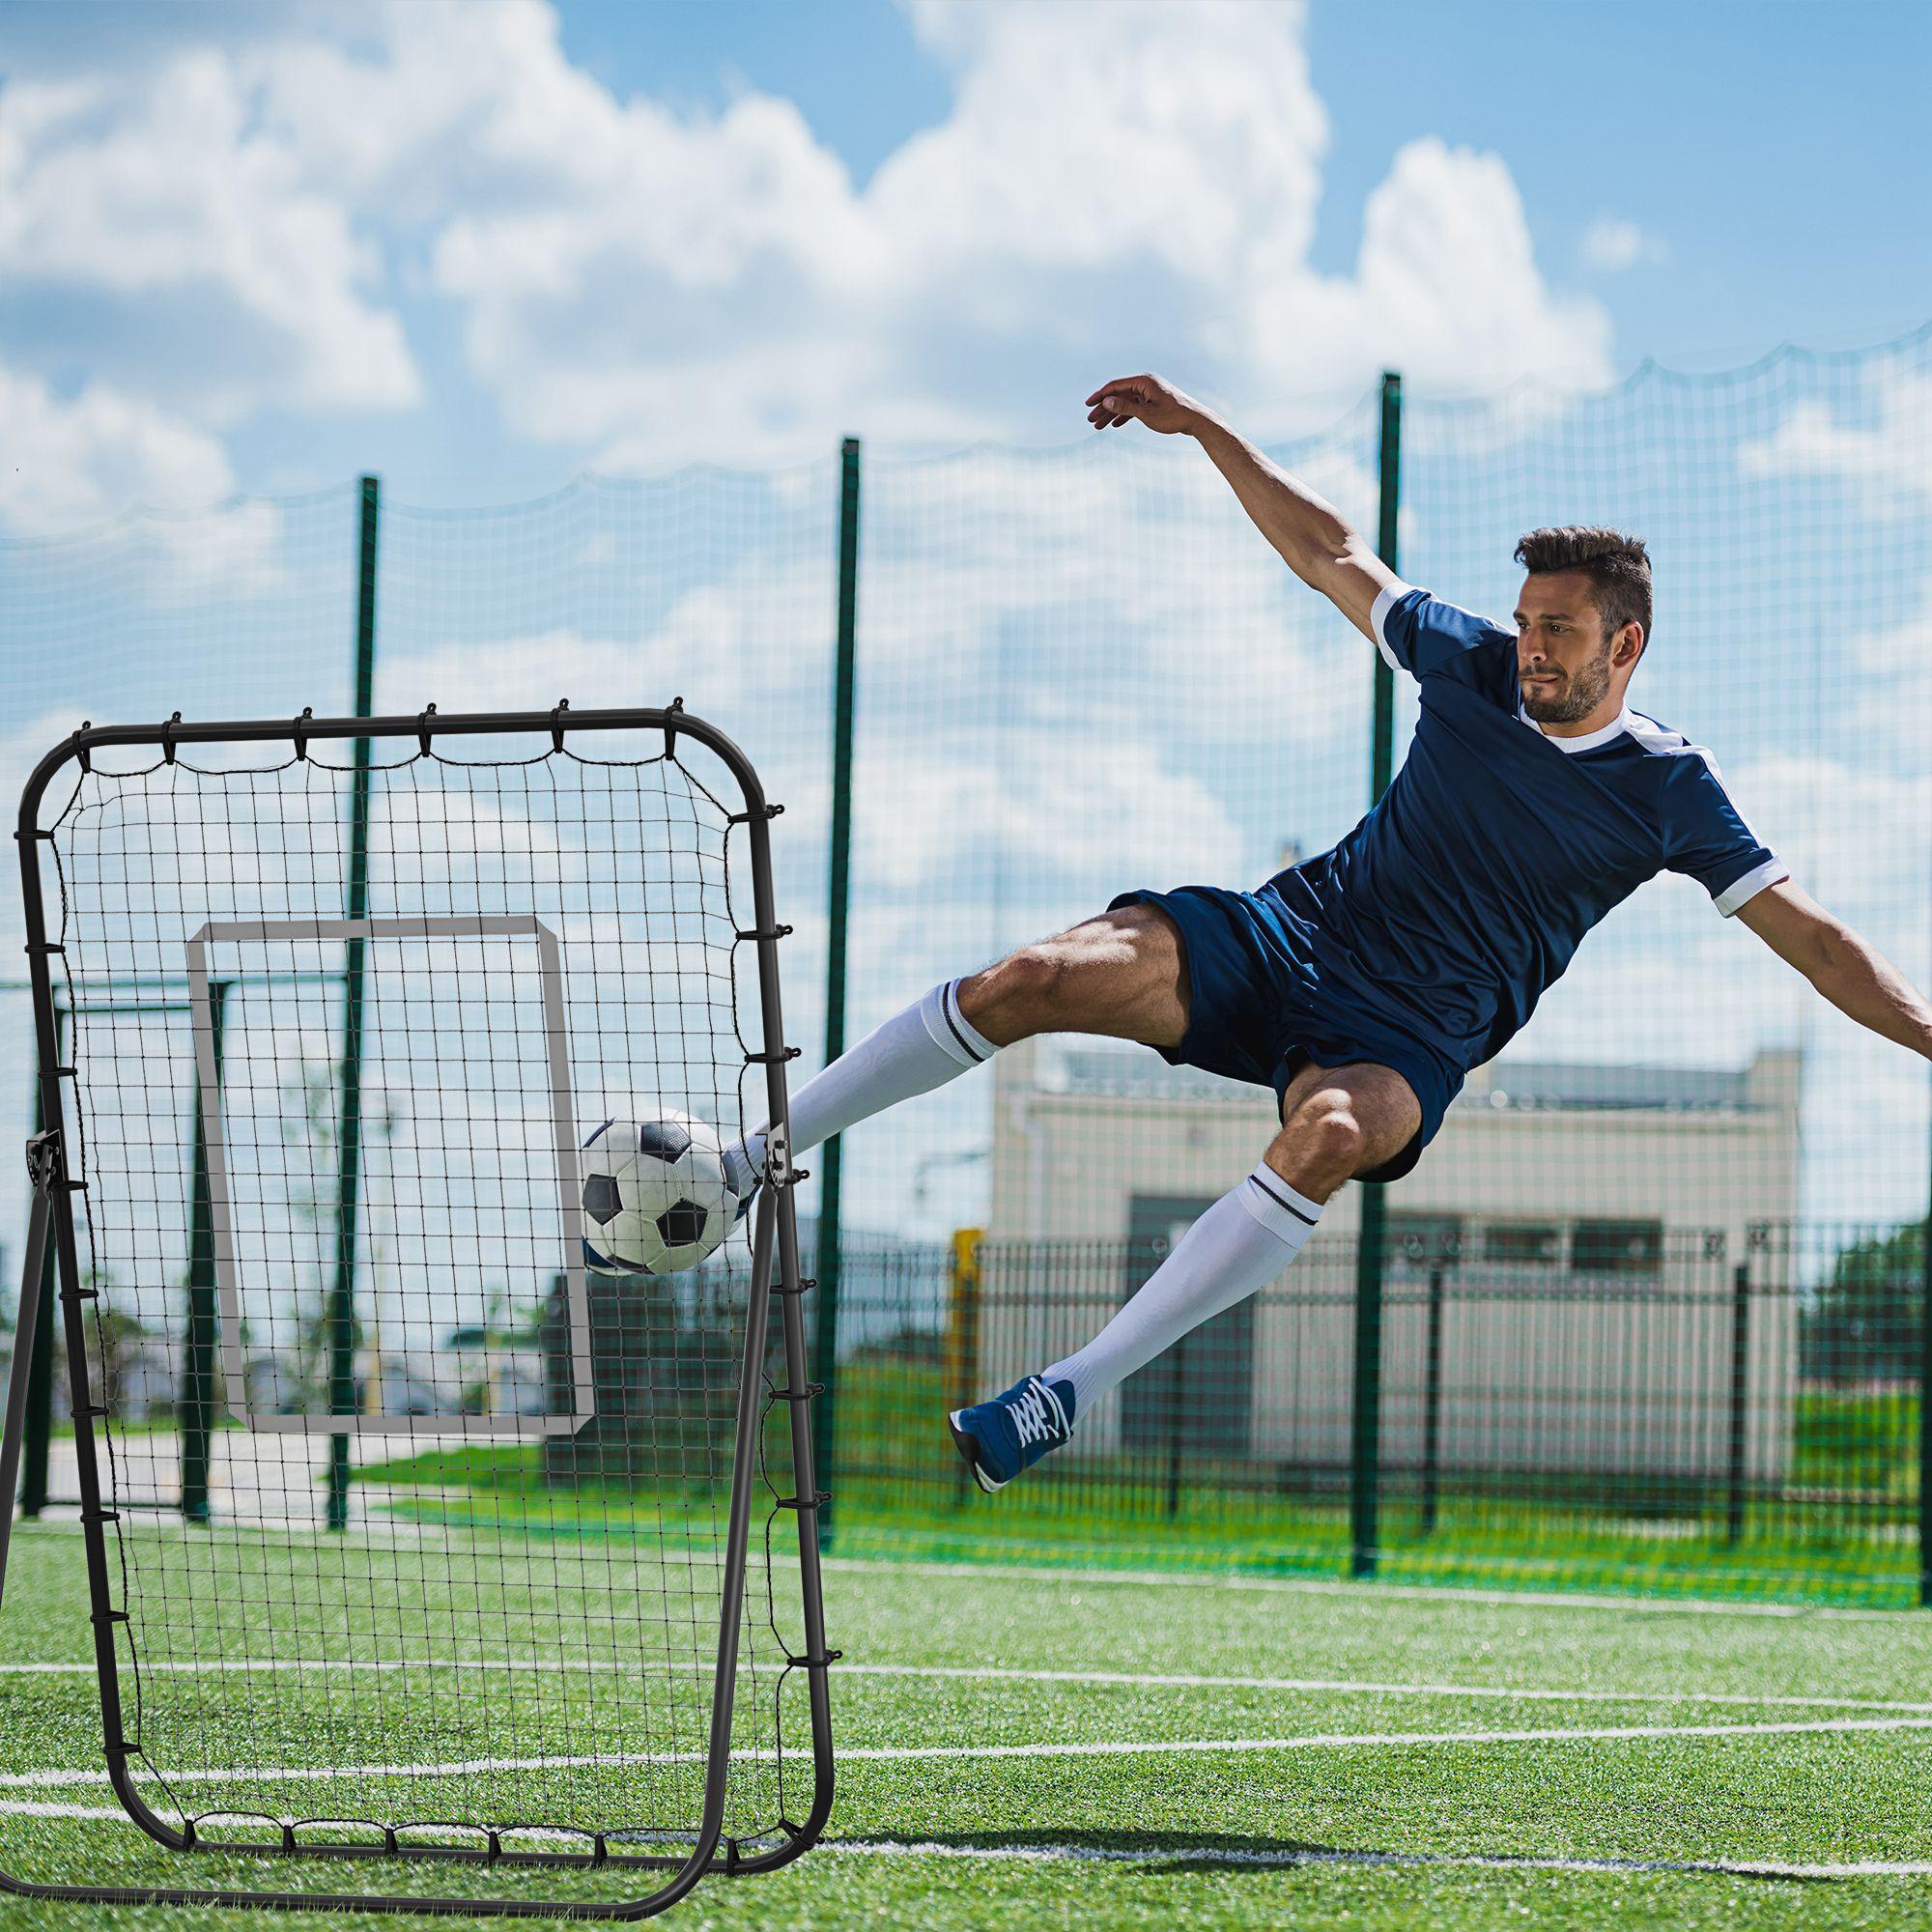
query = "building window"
{"x": 1537, "y": 1243}
{"x": 1617, "y": 1247}
{"x": 1426, "y": 1240}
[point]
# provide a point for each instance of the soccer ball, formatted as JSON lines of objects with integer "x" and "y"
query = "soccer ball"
{"x": 656, "y": 1198}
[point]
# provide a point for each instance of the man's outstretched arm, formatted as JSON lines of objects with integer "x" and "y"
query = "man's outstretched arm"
{"x": 1315, "y": 541}
{"x": 1853, "y": 976}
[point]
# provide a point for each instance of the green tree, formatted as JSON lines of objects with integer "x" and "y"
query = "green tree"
{"x": 1866, "y": 1321}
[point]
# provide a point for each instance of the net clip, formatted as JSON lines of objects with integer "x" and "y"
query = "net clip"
{"x": 423, "y": 725}
{"x": 778, "y": 1158}
{"x": 81, "y": 751}
{"x": 300, "y": 731}
{"x": 804, "y": 1394}
{"x": 822, "y": 1662}
{"x": 777, "y": 1058}
{"x": 746, "y": 817}
{"x": 557, "y": 722}
{"x": 812, "y": 1502}
{"x": 777, "y": 932}
{"x": 168, "y": 737}
{"x": 671, "y": 717}
{"x": 46, "y": 1167}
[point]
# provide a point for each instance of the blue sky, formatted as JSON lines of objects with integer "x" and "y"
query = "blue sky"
{"x": 262, "y": 246}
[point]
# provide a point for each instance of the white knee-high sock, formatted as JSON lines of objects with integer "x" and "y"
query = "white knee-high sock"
{"x": 931, "y": 1042}
{"x": 1239, "y": 1245}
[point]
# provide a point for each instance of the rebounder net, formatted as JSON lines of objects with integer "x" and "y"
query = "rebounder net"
{"x": 427, "y": 1547}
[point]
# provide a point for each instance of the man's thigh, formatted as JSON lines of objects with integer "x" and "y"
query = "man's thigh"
{"x": 1121, "y": 974}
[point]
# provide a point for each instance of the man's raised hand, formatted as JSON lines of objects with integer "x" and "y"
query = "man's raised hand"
{"x": 1143, "y": 399}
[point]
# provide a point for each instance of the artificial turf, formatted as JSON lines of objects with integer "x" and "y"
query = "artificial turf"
{"x": 1118, "y": 1798}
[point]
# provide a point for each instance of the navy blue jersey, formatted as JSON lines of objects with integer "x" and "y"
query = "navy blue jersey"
{"x": 1468, "y": 888}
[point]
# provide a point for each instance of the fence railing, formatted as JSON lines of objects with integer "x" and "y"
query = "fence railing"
{"x": 1695, "y": 1420}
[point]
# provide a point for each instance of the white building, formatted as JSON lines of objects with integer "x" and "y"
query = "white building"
{"x": 1584, "y": 1226}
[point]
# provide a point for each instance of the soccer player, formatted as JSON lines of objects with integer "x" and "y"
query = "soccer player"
{"x": 1363, "y": 984}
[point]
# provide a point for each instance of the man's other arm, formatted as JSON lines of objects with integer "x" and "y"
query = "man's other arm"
{"x": 1853, "y": 975}
{"x": 1315, "y": 540}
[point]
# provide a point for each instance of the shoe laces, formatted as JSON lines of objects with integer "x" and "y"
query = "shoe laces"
{"x": 1037, "y": 1413}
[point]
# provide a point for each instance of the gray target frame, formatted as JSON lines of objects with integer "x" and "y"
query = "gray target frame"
{"x": 228, "y": 1295}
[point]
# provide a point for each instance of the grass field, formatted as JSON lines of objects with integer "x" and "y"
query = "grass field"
{"x": 1026, "y": 1745}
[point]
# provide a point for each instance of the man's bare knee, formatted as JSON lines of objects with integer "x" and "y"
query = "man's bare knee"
{"x": 1336, "y": 1136}
{"x": 1341, "y": 1125}
{"x": 1321, "y": 1145}
{"x": 1020, "y": 995}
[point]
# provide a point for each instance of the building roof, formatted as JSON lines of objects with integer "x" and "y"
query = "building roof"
{"x": 1506, "y": 1084}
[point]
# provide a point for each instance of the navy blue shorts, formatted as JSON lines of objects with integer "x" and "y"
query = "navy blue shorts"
{"x": 1256, "y": 1012}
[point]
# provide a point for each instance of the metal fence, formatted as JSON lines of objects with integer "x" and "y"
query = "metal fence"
{"x": 1691, "y": 1420}
{"x": 994, "y": 688}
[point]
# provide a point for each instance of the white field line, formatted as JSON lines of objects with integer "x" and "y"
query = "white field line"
{"x": 1325, "y": 1586}
{"x": 1155, "y": 1680}
{"x": 1237, "y": 1856}
{"x": 900, "y": 1754}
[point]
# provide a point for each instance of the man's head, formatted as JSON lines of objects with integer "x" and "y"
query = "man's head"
{"x": 1583, "y": 620}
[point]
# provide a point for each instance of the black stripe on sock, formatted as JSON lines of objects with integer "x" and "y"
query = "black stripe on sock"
{"x": 1282, "y": 1200}
{"x": 947, "y": 998}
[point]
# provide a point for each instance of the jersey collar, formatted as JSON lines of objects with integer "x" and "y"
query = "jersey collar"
{"x": 1589, "y": 742}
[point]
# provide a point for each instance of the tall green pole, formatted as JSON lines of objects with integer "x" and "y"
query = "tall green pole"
{"x": 39, "y": 1430}
{"x": 1365, "y": 1449}
{"x": 844, "y": 693}
{"x": 349, "y": 1141}
{"x": 1925, "y": 1415}
{"x": 198, "y": 1355}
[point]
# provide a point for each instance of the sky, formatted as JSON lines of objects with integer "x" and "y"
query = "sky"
{"x": 478, "y": 245}
{"x": 482, "y": 247}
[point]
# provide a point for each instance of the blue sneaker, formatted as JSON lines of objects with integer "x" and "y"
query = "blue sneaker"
{"x": 1012, "y": 1431}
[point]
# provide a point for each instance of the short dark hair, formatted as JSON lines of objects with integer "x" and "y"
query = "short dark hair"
{"x": 1618, "y": 565}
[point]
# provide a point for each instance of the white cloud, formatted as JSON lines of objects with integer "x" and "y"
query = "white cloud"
{"x": 1889, "y": 669}
{"x": 1882, "y": 452}
{"x": 1446, "y": 288}
{"x": 1614, "y": 245}
{"x": 1058, "y": 816}
{"x": 232, "y": 226}
{"x": 997, "y": 264}
{"x": 75, "y": 460}
{"x": 195, "y": 251}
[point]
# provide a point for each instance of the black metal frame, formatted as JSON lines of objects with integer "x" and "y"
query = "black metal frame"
{"x": 775, "y": 1228}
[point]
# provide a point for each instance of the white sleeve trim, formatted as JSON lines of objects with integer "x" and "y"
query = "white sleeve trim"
{"x": 1378, "y": 619}
{"x": 1751, "y": 885}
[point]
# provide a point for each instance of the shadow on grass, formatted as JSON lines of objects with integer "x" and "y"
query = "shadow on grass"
{"x": 1224, "y": 1851}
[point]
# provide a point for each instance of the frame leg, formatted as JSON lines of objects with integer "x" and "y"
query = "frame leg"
{"x": 43, "y": 1165}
